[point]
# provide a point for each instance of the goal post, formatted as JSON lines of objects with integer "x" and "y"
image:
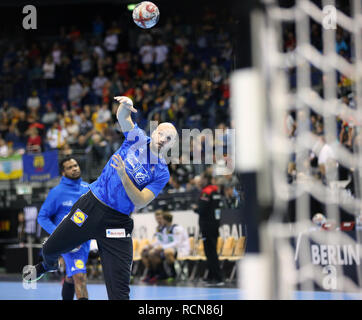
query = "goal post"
{"x": 288, "y": 89}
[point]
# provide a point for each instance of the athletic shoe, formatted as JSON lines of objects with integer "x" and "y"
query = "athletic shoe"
{"x": 35, "y": 273}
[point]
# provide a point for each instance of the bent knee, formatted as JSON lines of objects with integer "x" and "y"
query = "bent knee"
{"x": 170, "y": 255}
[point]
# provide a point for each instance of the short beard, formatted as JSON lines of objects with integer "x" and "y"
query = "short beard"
{"x": 72, "y": 178}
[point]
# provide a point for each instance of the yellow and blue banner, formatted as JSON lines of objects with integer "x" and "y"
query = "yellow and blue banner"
{"x": 11, "y": 167}
{"x": 41, "y": 167}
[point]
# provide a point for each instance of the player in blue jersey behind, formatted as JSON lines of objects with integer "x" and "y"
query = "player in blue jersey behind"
{"x": 133, "y": 177}
{"x": 55, "y": 207}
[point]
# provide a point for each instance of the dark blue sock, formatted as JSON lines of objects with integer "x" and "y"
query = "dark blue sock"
{"x": 68, "y": 291}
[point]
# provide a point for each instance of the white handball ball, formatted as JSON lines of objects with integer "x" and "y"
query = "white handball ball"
{"x": 319, "y": 219}
{"x": 146, "y": 14}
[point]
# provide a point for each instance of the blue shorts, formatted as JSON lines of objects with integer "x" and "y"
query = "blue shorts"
{"x": 75, "y": 261}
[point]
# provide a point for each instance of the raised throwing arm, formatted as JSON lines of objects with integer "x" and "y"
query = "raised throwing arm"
{"x": 124, "y": 113}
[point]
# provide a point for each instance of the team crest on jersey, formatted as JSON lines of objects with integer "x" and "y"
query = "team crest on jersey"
{"x": 79, "y": 217}
{"x": 137, "y": 171}
{"x": 140, "y": 177}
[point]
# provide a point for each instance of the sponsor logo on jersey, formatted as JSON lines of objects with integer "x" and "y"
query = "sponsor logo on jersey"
{"x": 79, "y": 217}
{"x": 115, "y": 233}
{"x": 79, "y": 264}
{"x": 68, "y": 203}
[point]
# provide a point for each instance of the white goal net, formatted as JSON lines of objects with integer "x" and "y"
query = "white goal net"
{"x": 307, "y": 59}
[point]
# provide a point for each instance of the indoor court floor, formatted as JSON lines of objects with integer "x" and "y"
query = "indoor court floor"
{"x": 13, "y": 290}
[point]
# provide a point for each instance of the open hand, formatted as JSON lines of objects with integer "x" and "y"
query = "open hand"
{"x": 125, "y": 102}
{"x": 118, "y": 164}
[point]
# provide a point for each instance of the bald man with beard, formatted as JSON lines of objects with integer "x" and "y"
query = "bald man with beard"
{"x": 134, "y": 175}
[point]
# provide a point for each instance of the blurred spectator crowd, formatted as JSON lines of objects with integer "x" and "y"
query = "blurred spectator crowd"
{"x": 333, "y": 131}
{"x": 57, "y": 93}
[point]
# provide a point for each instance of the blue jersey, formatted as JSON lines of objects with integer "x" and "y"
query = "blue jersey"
{"x": 59, "y": 202}
{"x": 145, "y": 170}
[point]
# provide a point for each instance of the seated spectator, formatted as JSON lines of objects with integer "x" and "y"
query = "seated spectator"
{"x": 113, "y": 139}
{"x": 340, "y": 42}
{"x": 34, "y": 52}
{"x": 81, "y": 149}
{"x": 111, "y": 42}
{"x": 98, "y": 51}
{"x": 97, "y": 85}
{"x": 86, "y": 65}
{"x": 35, "y": 73}
{"x": 290, "y": 42}
{"x": 35, "y": 123}
{"x": 49, "y": 116}
{"x": 101, "y": 117}
{"x": 13, "y": 136}
{"x": 33, "y": 102}
{"x": 116, "y": 86}
{"x": 98, "y": 149}
{"x": 162, "y": 256}
{"x": 49, "y": 71}
{"x": 98, "y": 27}
{"x": 147, "y": 53}
{"x": 4, "y": 123}
{"x": 87, "y": 110}
{"x": 231, "y": 197}
{"x": 182, "y": 43}
{"x": 174, "y": 185}
{"x": 85, "y": 125}
{"x": 157, "y": 239}
{"x": 80, "y": 45}
{"x": 75, "y": 91}
{"x": 347, "y": 134}
{"x": 161, "y": 51}
{"x": 4, "y": 149}
{"x": 23, "y": 123}
{"x": 122, "y": 65}
{"x": 227, "y": 52}
{"x": 56, "y": 136}
{"x": 63, "y": 72}
{"x": 65, "y": 150}
{"x": 34, "y": 143}
{"x": 327, "y": 161}
{"x": 217, "y": 72}
{"x": 183, "y": 171}
{"x": 81, "y": 146}
{"x": 106, "y": 93}
{"x": 194, "y": 185}
{"x": 108, "y": 67}
{"x": 72, "y": 128}
{"x": 56, "y": 53}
